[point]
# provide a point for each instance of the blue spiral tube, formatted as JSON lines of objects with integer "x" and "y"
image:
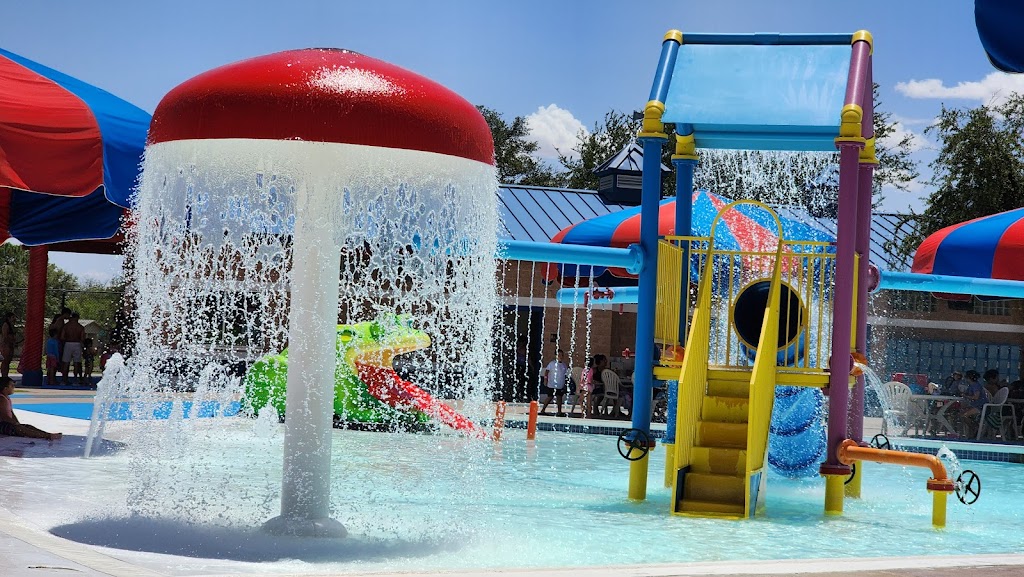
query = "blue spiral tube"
{"x": 797, "y": 441}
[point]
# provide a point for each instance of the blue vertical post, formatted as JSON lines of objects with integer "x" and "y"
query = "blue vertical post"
{"x": 646, "y": 305}
{"x": 652, "y": 136}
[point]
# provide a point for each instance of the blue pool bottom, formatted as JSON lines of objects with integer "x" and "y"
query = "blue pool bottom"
{"x": 122, "y": 411}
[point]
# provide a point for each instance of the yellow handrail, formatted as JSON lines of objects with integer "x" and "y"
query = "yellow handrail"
{"x": 764, "y": 374}
{"x": 693, "y": 376}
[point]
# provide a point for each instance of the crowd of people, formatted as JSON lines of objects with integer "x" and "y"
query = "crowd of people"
{"x": 976, "y": 389}
{"x": 68, "y": 349}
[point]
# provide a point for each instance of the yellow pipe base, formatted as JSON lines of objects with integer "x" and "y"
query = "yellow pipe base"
{"x": 638, "y": 478}
{"x": 670, "y": 464}
{"x": 939, "y": 508}
{"x": 852, "y": 489}
{"x": 834, "y": 494}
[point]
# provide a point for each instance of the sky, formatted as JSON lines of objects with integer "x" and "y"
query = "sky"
{"x": 561, "y": 64}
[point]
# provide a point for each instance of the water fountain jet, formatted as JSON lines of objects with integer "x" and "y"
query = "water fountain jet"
{"x": 267, "y": 168}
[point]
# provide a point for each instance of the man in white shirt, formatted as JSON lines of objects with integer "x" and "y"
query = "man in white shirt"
{"x": 555, "y": 375}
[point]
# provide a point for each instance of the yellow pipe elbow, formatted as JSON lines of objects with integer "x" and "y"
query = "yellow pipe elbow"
{"x": 673, "y": 35}
{"x": 686, "y": 147}
{"x": 867, "y": 154}
{"x": 865, "y": 36}
{"x": 851, "y": 118}
{"x": 652, "y": 126}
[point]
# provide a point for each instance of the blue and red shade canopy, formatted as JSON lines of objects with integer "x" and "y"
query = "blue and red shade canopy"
{"x": 70, "y": 155}
{"x": 987, "y": 247}
{"x": 746, "y": 227}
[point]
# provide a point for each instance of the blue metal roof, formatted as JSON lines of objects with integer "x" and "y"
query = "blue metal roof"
{"x": 538, "y": 214}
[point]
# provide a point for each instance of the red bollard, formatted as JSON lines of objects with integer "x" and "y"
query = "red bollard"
{"x": 499, "y": 420}
{"x": 531, "y": 425}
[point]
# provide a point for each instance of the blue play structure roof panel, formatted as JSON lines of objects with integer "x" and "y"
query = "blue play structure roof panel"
{"x": 759, "y": 96}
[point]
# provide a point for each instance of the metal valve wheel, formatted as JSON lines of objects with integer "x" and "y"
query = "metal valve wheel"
{"x": 634, "y": 444}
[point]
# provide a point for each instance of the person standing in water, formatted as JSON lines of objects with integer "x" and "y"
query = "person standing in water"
{"x": 554, "y": 375}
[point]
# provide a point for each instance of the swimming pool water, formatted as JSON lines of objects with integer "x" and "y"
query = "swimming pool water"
{"x": 425, "y": 502}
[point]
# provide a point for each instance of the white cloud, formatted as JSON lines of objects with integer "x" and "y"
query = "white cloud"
{"x": 901, "y": 128}
{"x": 993, "y": 89}
{"x": 554, "y": 128}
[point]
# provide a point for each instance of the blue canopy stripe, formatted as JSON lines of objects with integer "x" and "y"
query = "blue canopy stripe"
{"x": 122, "y": 125}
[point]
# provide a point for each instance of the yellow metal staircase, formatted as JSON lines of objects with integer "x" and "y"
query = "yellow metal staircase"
{"x": 715, "y": 482}
{"x": 723, "y": 414}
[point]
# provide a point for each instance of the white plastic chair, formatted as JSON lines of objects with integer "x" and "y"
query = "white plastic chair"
{"x": 610, "y": 399}
{"x": 997, "y": 406}
{"x": 895, "y": 398}
{"x": 574, "y": 399}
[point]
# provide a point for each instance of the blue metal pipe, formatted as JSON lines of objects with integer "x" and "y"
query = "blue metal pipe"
{"x": 663, "y": 74}
{"x": 648, "y": 286}
{"x": 626, "y": 295}
{"x": 630, "y": 258}
{"x": 763, "y": 38}
{"x": 943, "y": 283}
{"x": 684, "y": 227}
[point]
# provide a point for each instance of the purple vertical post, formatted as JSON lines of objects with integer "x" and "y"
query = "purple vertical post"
{"x": 850, "y": 143}
{"x": 842, "y": 306}
{"x": 863, "y": 247}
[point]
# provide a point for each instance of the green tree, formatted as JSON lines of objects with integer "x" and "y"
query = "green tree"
{"x": 979, "y": 169}
{"x": 14, "y": 282}
{"x": 514, "y": 152}
{"x": 895, "y": 167}
{"x": 13, "y": 279}
{"x": 592, "y": 149}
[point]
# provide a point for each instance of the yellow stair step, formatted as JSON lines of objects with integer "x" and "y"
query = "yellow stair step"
{"x": 728, "y": 388}
{"x": 723, "y": 373}
{"x": 725, "y": 409}
{"x": 728, "y": 435}
{"x": 710, "y": 509}
{"x": 718, "y": 460}
{"x": 715, "y": 488}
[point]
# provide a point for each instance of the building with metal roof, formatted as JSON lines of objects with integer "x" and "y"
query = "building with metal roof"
{"x": 911, "y": 332}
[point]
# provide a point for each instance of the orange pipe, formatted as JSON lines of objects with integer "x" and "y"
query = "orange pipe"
{"x": 850, "y": 451}
{"x": 531, "y": 424}
{"x": 499, "y": 420}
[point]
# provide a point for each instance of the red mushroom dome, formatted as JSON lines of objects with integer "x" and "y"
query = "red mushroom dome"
{"x": 323, "y": 95}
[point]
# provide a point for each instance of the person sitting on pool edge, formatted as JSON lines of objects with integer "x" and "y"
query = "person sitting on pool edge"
{"x": 9, "y": 424}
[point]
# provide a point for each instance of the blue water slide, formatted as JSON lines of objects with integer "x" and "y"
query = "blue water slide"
{"x": 797, "y": 440}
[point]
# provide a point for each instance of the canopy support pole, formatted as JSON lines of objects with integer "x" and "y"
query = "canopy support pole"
{"x": 35, "y": 305}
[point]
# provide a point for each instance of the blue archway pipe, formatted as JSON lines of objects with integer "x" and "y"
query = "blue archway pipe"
{"x": 630, "y": 258}
{"x": 663, "y": 74}
{"x": 944, "y": 283}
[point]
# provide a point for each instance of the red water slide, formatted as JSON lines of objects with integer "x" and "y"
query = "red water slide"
{"x": 386, "y": 386}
